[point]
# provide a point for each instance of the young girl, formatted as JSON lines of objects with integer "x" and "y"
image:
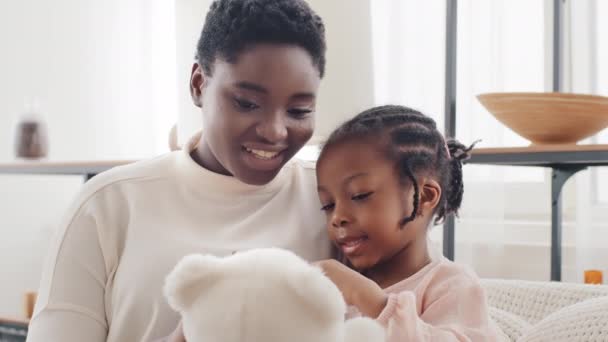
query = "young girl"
{"x": 383, "y": 177}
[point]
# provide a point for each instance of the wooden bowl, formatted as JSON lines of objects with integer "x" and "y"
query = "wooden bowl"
{"x": 549, "y": 118}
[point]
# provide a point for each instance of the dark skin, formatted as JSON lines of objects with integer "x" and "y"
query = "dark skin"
{"x": 264, "y": 101}
{"x": 364, "y": 199}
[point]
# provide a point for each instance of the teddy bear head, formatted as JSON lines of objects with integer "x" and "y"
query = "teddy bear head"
{"x": 268, "y": 295}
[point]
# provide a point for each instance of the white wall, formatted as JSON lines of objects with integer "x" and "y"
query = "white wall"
{"x": 348, "y": 84}
{"x": 189, "y": 19}
{"x": 103, "y": 76}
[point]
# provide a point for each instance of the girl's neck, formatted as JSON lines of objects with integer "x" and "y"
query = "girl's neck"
{"x": 407, "y": 262}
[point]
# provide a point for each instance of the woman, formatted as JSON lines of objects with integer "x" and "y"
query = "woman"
{"x": 258, "y": 68}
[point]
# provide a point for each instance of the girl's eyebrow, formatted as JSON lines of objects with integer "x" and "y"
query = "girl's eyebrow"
{"x": 346, "y": 181}
{"x": 353, "y": 177}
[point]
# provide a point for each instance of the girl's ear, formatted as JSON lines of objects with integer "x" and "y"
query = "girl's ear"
{"x": 430, "y": 194}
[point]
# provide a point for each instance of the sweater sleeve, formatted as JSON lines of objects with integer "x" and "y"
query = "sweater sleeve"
{"x": 455, "y": 312}
{"x": 71, "y": 305}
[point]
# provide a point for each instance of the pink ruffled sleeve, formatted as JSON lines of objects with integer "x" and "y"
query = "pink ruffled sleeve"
{"x": 454, "y": 311}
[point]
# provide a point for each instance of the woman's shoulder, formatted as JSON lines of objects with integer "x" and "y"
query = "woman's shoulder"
{"x": 157, "y": 168}
{"x": 302, "y": 164}
{"x": 301, "y": 168}
{"x": 302, "y": 174}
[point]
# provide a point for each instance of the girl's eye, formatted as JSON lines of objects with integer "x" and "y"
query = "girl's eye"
{"x": 362, "y": 197}
{"x": 327, "y": 207}
{"x": 299, "y": 113}
{"x": 245, "y": 105}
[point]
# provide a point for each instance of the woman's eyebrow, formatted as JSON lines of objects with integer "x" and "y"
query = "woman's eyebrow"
{"x": 260, "y": 89}
{"x": 251, "y": 86}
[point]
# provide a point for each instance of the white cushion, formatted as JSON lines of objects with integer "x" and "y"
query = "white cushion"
{"x": 533, "y": 300}
{"x": 511, "y": 325}
{"x": 584, "y": 321}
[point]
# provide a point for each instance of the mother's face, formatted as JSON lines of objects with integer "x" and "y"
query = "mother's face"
{"x": 258, "y": 111}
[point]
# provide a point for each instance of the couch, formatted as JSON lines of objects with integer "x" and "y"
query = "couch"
{"x": 548, "y": 311}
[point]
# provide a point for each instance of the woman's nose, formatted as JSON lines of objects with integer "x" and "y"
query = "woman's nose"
{"x": 273, "y": 129}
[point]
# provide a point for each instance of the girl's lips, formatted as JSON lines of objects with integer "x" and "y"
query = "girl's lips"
{"x": 352, "y": 245}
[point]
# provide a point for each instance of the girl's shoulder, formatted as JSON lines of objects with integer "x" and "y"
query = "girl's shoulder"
{"x": 448, "y": 275}
{"x": 448, "y": 269}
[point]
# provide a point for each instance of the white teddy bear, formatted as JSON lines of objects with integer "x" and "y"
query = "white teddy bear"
{"x": 261, "y": 295}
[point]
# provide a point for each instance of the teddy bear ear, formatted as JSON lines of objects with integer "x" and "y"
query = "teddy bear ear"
{"x": 190, "y": 276}
{"x": 363, "y": 330}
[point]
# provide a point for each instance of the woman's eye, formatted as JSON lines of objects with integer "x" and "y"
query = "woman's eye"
{"x": 245, "y": 105}
{"x": 327, "y": 207}
{"x": 361, "y": 197}
{"x": 299, "y": 112}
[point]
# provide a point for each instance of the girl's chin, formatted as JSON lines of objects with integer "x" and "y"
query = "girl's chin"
{"x": 361, "y": 264}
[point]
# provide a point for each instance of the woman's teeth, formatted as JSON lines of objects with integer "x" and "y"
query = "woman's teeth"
{"x": 262, "y": 154}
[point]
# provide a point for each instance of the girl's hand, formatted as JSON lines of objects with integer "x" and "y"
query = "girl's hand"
{"x": 357, "y": 290}
{"x": 177, "y": 335}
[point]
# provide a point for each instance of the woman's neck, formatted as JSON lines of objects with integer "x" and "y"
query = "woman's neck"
{"x": 407, "y": 262}
{"x": 203, "y": 156}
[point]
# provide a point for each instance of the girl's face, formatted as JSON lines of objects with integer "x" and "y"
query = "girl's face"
{"x": 364, "y": 200}
{"x": 258, "y": 111}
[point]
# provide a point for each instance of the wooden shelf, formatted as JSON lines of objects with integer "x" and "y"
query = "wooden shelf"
{"x": 544, "y": 156}
{"x": 15, "y": 321}
{"x": 84, "y": 168}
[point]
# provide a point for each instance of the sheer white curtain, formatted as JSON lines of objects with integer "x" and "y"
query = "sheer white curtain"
{"x": 586, "y": 71}
{"x": 103, "y": 72}
{"x": 409, "y": 54}
{"x": 503, "y": 45}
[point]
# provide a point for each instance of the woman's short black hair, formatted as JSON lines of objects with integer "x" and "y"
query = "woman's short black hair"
{"x": 232, "y": 26}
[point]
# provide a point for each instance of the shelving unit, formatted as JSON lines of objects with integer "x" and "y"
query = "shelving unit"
{"x": 13, "y": 330}
{"x": 86, "y": 169}
{"x": 564, "y": 161}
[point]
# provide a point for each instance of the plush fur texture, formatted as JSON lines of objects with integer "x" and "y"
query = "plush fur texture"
{"x": 261, "y": 295}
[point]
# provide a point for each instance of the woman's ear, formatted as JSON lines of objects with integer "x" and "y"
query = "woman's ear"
{"x": 197, "y": 83}
{"x": 430, "y": 194}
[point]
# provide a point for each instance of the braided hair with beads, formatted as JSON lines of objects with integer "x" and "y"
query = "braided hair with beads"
{"x": 412, "y": 140}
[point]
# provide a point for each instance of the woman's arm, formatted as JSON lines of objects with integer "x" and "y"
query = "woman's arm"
{"x": 70, "y": 305}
